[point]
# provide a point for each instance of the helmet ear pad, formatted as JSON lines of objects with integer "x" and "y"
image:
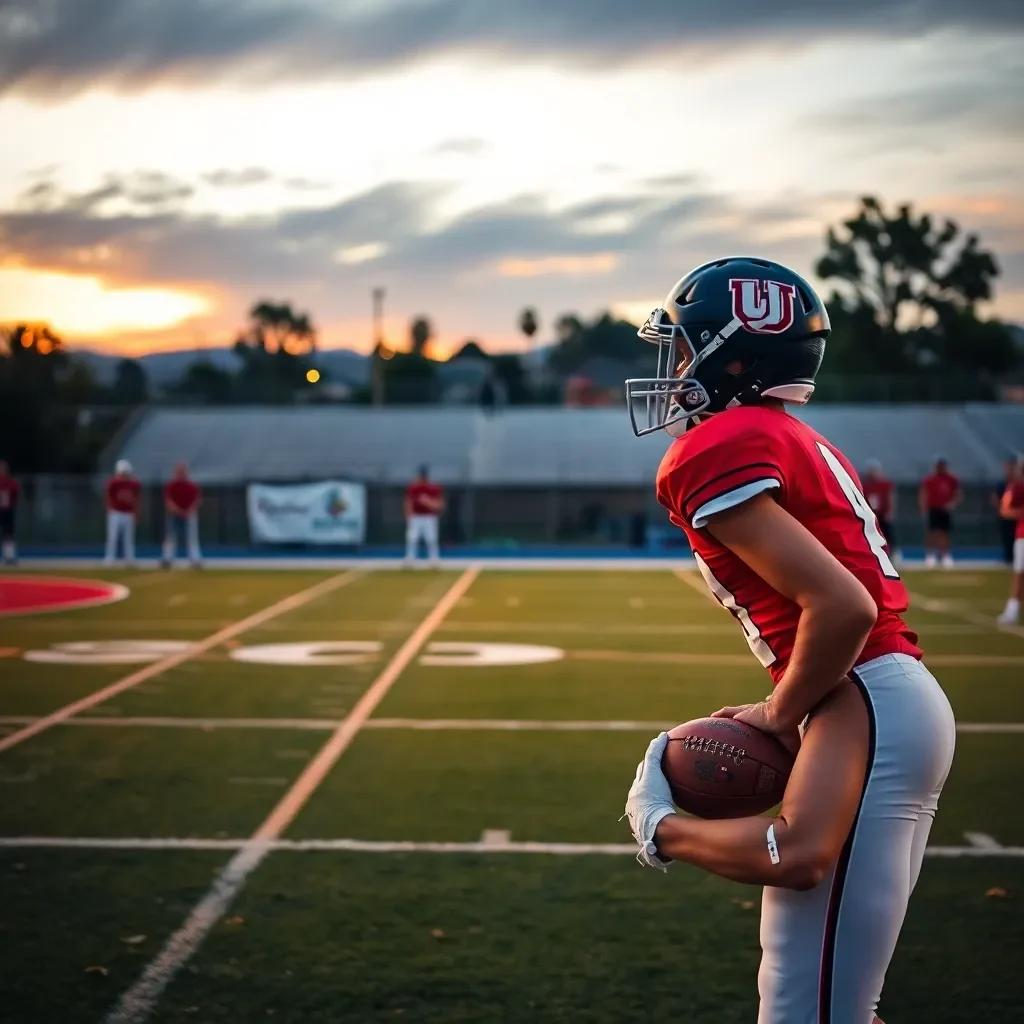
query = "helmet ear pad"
{"x": 765, "y": 365}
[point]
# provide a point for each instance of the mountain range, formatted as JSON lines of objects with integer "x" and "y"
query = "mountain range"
{"x": 341, "y": 365}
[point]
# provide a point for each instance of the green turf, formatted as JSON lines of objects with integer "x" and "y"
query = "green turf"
{"x": 332, "y": 936}
{"x": 340, "y": 937}
{"x": 147, "y": 782}
{"x": 66, "y": 919}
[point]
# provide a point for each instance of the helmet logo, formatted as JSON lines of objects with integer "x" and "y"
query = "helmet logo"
{"x": 762, "y": 307}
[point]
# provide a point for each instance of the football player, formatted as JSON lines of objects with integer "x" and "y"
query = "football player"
{"x": 786, "y": 541}
{"x": 1012, "y": 507}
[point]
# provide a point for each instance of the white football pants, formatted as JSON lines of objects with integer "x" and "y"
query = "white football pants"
{"x": 120, "y": 527}
{"x": 826, "y": 951}
{"x": 425, "y": 529}
{"x": 183, "y": 531}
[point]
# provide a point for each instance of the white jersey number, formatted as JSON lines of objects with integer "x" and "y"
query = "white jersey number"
{"x": 864, "y": 512}
{"x": 755, "y": 641}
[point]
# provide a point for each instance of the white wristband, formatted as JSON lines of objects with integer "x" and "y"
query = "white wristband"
{"x": 773, "y": 846}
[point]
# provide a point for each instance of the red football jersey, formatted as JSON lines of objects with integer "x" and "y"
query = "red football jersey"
{"x": 123, "y": 494}
{"x": 184, "y": 494}
{"x": 736, "y": 454}
{"x": 940, "y": 489}
{"x": 879, "y": 496}
{"x": 424, "y": 498}
{"x": 10, "y": 491}
{"x": 1016, "y": 498}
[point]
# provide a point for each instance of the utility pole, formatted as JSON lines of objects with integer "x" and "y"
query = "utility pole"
{"x": 377, "y": 359}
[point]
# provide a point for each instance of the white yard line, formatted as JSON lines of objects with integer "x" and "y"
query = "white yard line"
{"x": 137, "y": 1003}
{"x": 423, "y": 724}
{"x": 491, "y": 842}
{"x": 288, "y": 604}
{"x": 939, "y": 606}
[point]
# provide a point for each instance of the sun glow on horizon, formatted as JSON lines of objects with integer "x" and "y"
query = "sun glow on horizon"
{"x": 85, "y": 306}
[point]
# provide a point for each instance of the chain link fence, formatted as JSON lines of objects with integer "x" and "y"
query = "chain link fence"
{"x": 67, "y": 512}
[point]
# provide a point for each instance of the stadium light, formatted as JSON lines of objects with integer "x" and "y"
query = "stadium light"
{"x": 312, "y": 376}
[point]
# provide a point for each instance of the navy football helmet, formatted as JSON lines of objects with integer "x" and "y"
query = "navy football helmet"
{"x": 731, "y": 332}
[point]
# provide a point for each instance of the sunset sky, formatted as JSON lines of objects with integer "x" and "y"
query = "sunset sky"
{"x": 166, "y": 162}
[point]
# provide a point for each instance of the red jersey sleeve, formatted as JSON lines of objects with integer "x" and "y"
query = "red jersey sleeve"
{"x": 722, "y": 464}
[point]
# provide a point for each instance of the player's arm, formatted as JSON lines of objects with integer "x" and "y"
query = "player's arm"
{"x": 922, "y": 499}
{"x": 817, "y": 813}
{"x": 1008, "y": 507}
{"x": 837, "y": 612}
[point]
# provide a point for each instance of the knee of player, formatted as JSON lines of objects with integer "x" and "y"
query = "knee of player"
{"x": 805, "y": 858}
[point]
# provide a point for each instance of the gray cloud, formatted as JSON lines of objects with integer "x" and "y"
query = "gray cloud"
{"x": 460, "y": 147}
{"x": 55, "y": 46}
{"x": 983, "y": 99}
{"x": 138, "y": 188}
{"x": 242, "y": 178}
{"x": 454, "y": 271}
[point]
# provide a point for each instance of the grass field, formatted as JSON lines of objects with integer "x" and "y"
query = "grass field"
{"x": 399, "y": 823}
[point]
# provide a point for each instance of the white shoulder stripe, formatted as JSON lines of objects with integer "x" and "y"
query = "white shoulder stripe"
{"x": 730, "y": 500}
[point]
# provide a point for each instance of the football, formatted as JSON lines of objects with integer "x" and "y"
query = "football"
{"x": 720, "y": 768}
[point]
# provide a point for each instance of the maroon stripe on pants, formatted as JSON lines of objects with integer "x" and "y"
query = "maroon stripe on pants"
{"x": 835, "y": 897}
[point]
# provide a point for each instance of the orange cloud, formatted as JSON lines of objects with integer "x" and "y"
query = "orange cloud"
{"x": 86, "y": 306}
{"x": 598, "y": 263}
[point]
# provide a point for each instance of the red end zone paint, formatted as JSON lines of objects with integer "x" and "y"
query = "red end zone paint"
{"x": 33, "y": 595}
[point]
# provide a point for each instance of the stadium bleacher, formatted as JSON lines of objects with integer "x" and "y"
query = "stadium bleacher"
{"x": 529, "y": 446}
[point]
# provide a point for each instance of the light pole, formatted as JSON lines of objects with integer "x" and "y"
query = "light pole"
{"x": 377, "y": 359}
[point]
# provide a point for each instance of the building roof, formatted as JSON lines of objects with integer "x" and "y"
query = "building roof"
{"x": 528, "y": 445}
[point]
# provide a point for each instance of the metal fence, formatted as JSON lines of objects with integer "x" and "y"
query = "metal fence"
{"x": 66, "y": 512}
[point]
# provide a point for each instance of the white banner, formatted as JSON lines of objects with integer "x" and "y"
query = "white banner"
{"x": 323, "y": 513}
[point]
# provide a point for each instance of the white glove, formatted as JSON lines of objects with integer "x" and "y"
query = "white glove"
{"x": 649, "y": 800}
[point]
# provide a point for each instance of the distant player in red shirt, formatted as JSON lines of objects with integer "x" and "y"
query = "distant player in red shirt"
{"x": 123, "y": 494}
{"x": 939, "y": 495}
{"x": 880, "y": 494}
{"x": 1013, "y": 505}
{"x": 181, "y": 504}
{"x": 10, "y": 493}
{"x": 786, "y": 541}
{"x": 424, "y": 503}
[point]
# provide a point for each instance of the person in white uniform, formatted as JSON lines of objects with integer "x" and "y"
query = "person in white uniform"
{"x": 123, "y": 494}
{"x": 424, "y": 503}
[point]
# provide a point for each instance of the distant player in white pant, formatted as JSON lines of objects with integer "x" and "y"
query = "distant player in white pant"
{"x": 424, "y": 503}
{"x": 10, "y": 493}
{"x": 122, "y": 496}
{"x": 1012, "y": 505}
{"x": 181, "y": 503}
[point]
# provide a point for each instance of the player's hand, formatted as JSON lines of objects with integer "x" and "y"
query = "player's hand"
{"x": 649, "y": 800}
{"x": 761, "y": 716}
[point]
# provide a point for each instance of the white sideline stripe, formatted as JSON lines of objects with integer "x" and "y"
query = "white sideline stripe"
{"x": 424, "y": 724}
{"x": 137, "y": 1003}
{"x": 941, "y": 606}
{"x": 982, "y": 841}
{"x": 261, "y": 849}
{"x": 173, "y": 660}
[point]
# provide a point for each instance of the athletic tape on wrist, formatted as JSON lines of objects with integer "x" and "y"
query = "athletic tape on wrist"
{"x": 773, "y": 846}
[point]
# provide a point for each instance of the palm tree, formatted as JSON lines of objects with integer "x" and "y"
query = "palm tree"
{"x": 420, "y": 332}
{"x": 528, "y": 324}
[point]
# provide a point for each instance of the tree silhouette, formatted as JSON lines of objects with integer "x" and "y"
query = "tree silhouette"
{"x": 205, "y": 382}
{"x": 276, "y": 327}
{"x": 40, "y": 391}
{"x": 528, "y": 324}
{"x": 131, "y": 386}
{"x": 897, "y": 263}
{"x": 274, "y": 351}
{"x": 907, "y": 295}
{"x": 420, "y": 333}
